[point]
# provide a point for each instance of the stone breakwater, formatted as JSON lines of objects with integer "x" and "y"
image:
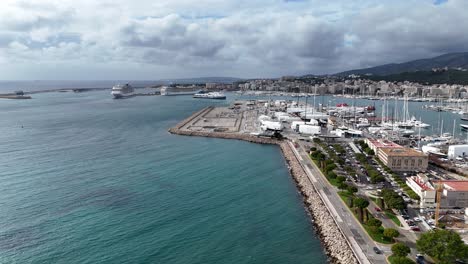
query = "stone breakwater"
{"x": 335, "y": 243}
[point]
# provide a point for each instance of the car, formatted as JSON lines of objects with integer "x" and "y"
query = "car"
{"x": 378, "y": 209}
{"x": 415, "y": 228}
{"x": 377, "y": 250}
{"x": 419, "y": 259}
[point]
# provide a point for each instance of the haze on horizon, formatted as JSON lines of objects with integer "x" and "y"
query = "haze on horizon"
{"x": 123, "y": 39}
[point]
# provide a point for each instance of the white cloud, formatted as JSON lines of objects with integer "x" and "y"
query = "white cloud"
{"x": 183, "y": 38}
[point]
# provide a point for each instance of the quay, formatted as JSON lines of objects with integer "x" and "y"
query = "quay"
{"x": 239, "y": 122}
{"x": 15, "y": 96}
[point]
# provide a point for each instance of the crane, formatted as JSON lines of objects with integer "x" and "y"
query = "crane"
{"x": 439, "y": 189}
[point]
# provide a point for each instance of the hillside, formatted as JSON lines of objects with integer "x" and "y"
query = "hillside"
{"x": 425, "y": 77}
{"x": 451, "y": 60}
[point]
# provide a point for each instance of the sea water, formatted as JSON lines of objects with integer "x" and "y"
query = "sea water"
{"x": 88, "y": 179}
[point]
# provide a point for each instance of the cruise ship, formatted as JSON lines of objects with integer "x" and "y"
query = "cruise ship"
{"x": 122, "y": 91}
{"x": 210, "y": 95}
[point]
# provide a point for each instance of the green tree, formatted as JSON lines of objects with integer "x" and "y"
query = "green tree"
{"x": 400, "y": 250}
{"x": 331, "y": 175}
{"x": 390, "y": 233}
{"x": 330, "y": 167}
{"x": 340, "y": 179}
{"x": 374, "y": 224}
{"x": 361, "y": 203}
{"x": 444, "y": 245}
{"x": 342, "y": 186}
{"x": 352, "y": 189}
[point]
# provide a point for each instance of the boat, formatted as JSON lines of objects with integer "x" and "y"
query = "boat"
{"x": 363, "y": 122}
{"x": 210, "y": 95}
{"x": 122, "y": 91}
{"x": 464, "y": 117}
{"x": 464, "y": 127}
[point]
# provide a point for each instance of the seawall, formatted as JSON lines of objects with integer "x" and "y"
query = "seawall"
{"x": 335, "y": 243}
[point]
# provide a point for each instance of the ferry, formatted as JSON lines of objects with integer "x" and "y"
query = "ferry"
{"x": 210, "y": 95}
{"x": 122, "y": 91}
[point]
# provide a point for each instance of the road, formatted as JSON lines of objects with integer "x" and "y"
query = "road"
{"x": 346, "y": 221}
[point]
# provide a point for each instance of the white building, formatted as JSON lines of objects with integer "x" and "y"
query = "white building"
{"x": 457, "y": 151}
{"x": 454, "y": 192}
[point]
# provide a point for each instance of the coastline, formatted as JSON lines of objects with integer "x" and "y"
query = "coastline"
{"x": 335, "y": 243}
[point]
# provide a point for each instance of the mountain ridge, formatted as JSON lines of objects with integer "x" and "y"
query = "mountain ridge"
{"x": 451, "y": 60}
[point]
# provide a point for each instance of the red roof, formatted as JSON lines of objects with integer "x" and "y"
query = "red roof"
{"x": 384, "y": 143}
{"x": 460, "y": 186}
{"x": 421, "y": 183}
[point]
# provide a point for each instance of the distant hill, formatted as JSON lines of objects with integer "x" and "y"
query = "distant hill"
{"x": 451, "y": 60}
{"x": 202, "y": 80}
{"x": 425, "y": 77}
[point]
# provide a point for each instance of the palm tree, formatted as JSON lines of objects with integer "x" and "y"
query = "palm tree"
{"x": 361, "y": 203}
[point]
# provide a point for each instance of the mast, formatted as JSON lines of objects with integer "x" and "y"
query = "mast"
{"x": 454, "y": 123}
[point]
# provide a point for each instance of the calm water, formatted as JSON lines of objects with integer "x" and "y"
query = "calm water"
{"x": 88, "y": 179}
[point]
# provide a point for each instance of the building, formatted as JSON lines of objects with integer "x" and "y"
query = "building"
{"x": 376, "y": 144}
{"x": 403, "y": 159}
{"x": 454, "y": 192}
{"x": 455, "y": 151}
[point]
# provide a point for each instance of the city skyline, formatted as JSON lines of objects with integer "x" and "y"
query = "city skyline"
{"x": 102, "y": 40}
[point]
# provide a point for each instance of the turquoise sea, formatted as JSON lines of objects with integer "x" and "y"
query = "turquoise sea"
{"x": 88, "y": 179}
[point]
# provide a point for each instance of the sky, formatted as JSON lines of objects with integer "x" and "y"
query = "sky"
{"x": 151, "y": 40}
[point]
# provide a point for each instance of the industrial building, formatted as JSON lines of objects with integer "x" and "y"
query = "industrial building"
{"x": 454, "y": 193}
{"x": 455, "y": 151}
{"x": 403, "y": 159}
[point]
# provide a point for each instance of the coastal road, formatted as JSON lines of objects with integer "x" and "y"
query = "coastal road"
{"x": 357, "y": 237}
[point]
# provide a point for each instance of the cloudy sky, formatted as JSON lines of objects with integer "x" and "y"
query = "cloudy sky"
{"x": 148, "y": 39}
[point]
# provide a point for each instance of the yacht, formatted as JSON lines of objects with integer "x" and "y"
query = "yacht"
{"x": 464, "y": 127}
{"x": 464, "y": 117}
{"x": 122, "y": 91}
{"x": 210, "y": 95}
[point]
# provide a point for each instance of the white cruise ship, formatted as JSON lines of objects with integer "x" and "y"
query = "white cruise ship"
{"x": 210, "y": 95}
{"x": 122, "y": 91}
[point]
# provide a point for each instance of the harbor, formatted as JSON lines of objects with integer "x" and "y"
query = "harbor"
{"x": 300, "y": 127}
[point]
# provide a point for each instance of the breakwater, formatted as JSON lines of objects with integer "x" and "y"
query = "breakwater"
{"x": 335, "y": 243}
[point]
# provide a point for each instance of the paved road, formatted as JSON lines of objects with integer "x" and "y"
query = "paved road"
{"x": 347, "y": 222}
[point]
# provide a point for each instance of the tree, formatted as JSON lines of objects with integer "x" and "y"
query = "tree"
{"x": 361, "y": 203}
{"x": 342, "y": 186}
{"x": 390, "y": 233}
{"x": 330, "y": 167}
{"x": 400, "y": 260}
{"x": 331, "y": 175}
{"x": 374, "y": 224}
{"x": 444, "y": 245}
{"x": 340, "y": 179}
{"x": 352, "y": 189}
{"x": 400, "y": 250}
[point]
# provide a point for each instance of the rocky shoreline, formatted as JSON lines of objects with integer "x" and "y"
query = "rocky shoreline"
{"x": 335, "y": 244}
{"x": 334, "y": 241}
